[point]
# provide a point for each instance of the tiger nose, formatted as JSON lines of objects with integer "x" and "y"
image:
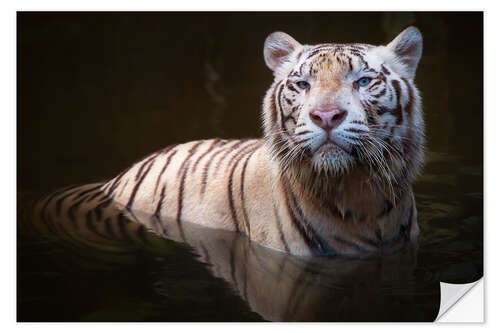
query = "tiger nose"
{"x": 328, "y": 119}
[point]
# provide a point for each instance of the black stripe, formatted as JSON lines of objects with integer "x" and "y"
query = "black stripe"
{"x": 242, "y": 192}
{"x": 227, "y": 152}
{"x": 157, "y": 223}
{"x": 299, "y": 54}
{"x": 381, "y": 110}
{"x": 319, "y": 244}
{"x": 366, "y": 67}
{"x": 91, "y": 226}
{"x": 212, "y": 146}
{"x": 206, "y": 168}
{"x": 138, "y": 175}
{"x": 380, "y": 94}
{"x": 274, "y": 110}
{"x": 375, "y": 84}
{"x": 237, "y": 158}
{"x": 351, "y": 244}
{"x": 45, "y": 215}
{"x": 411, "y": 98}
{"x": 398, "y": 112}
{"x": 381, "y": 76}
{"x": 303, "y": 132}
{"x": 385, "y": 70}
{"x": 183, "y": 172}
{"x": 109, "y": 228}
{"x": 400, "y": 235}
{"x": 359, "y": 122}
{"x": 116, "y": 182}
{"x": 293, "y": 299}
{"x": 92, "y": 197}
{"x": 301, "y": 68}
{"x": 167, "y": 162}
{"x": 355, "y": 130}
{"x": 206, "y": 257}
{"x": 53, "y": 195}
{"x": 187, "y": 159}
{"x": 98, "y": 208}
{"x": 291, "y": 87}
{"x": 245, "y": 281}
{"x": 280, "y": 229}
{"x": 232, "y": 262}
{"x": 370, "y": 117}
{"x": 397, "y": 87}
{"x": 122, "y": 225}
{"x": 350, "y": 62}
{"x": 141, "y": 232}
{"x": 282, "y": 115}
{"x": 372, "y": 242}
{"x": 314, "y": 248}
{"x": 160, "y": 203}
{"x": 410, "y": 220}
{"x": 71, "y": 211}
{"x": 316, "y": 51}
{"x": 138, "y": 184}
{"x": 64, "y": 197}
{"x": 407, "y": 144}
{"x": 81, "y": 194}
{"x": 124, "y": 187}
{"x": 112, "y": 186}
{"x": 388, "y": 206}
{"x": 325, "y": 46}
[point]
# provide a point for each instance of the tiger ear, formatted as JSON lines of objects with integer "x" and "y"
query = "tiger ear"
{"x": 408, "y": 48}
{"x": 277, "y": 48}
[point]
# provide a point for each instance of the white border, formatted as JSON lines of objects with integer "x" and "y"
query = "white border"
{"x": 8, "y": 136}
{"x": 254, "y": 5}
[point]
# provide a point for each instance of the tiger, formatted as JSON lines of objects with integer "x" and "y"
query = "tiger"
{"x": 332, "y": 174}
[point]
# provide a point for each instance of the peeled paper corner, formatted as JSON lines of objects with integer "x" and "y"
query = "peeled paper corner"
{"x": 461, "y": 303}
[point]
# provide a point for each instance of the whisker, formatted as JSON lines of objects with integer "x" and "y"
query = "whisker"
{"x": 303, "y": 132}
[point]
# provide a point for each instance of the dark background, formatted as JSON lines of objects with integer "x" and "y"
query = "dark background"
{"x": 98, "y": 91}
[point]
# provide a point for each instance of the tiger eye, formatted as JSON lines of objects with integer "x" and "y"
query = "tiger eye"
{"x": 364, "y": 81}
{"x": 303, "y": 84}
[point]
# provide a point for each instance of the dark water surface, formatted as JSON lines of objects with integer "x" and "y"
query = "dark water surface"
{"x": 97, "y": 92}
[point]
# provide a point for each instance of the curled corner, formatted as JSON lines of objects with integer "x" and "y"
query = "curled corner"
{"x": 457, "y": 306}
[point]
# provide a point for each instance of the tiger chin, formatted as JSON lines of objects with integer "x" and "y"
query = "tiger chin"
{"x": 343, "y": 143}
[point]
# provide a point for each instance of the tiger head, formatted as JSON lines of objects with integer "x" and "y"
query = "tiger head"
{"x": 335, "y": 108}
